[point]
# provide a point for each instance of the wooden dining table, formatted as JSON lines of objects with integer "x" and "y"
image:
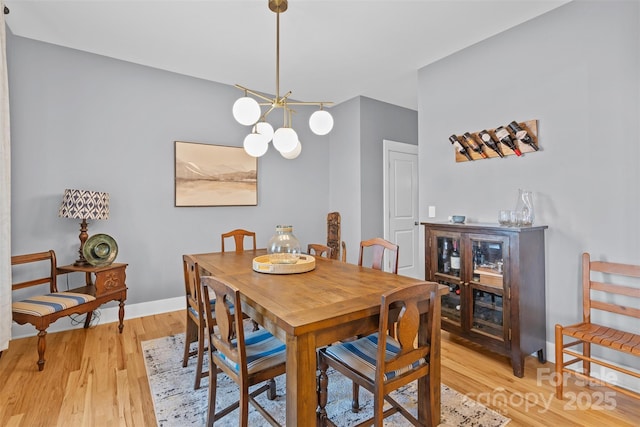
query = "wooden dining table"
{"x": 334, "y": 301}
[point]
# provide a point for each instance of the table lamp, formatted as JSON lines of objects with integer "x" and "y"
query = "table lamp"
{"x": 84, "y": 204}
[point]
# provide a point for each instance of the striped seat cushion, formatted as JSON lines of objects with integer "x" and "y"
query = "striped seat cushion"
{"x": 263, "y": 351}
{"x": 213, "y": 308}
{"x": 361, "y": 356}
{"x": 42, "y": 305}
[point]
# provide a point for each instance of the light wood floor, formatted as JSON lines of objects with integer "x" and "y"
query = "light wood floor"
{"x": 97, "y": 377}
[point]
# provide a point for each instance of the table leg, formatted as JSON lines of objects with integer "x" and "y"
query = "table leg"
{"x": 301, "y": 381}
{"x": 429, "y": 409}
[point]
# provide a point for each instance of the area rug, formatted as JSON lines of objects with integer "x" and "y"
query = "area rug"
{"x": 177, "y": 404}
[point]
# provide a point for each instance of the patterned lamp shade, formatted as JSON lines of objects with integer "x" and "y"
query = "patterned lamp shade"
{"x": 83, "y": 204}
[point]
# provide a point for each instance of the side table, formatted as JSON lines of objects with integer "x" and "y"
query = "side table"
{"x": 105, "y": 283}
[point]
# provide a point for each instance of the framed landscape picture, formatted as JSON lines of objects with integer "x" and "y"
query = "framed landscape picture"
{"x": 214, "y": 175}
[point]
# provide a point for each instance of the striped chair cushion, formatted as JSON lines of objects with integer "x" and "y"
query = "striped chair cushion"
{"x": 213, "y": 308}
{"x": 263, "y": 351}
{"x": 361, "y": 356}
{"x": 42, "y": 305}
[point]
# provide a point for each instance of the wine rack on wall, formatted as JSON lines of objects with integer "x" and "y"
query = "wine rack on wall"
{"x": 530, "y": 126}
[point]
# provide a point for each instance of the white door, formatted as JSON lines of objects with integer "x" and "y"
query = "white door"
{"x": 401, "y": 204}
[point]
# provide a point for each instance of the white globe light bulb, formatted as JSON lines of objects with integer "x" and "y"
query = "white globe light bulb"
{"x": 321, "y": 122}
{"x": 265, "y": 129}
{"x": 285, "y": 139}
{"x": 294, "y": 153}
{"x": 255, "y": 145}
{"x": 246, "y": 110}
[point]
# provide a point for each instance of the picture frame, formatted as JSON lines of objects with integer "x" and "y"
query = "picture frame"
{"x": 214, "y": 175}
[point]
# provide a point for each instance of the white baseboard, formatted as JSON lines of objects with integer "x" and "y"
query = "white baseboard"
{"x": 107, "y": 315}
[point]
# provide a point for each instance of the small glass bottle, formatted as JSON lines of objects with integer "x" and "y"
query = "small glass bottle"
{"x": 284, "y": 247}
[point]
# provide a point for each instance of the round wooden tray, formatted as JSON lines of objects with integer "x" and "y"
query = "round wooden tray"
{"x": 306, "y": 263}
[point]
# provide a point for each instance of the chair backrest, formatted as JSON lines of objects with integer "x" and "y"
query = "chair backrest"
{"x": 378, "y": 246}
{"x": 52, "y": 270}
{"x": 319, "y": 250}
{"x": 405, "y": 307}
{"x": 228, "y": 337}
{"x": 600, "y": 300}
{"x": 192, "y": 284}
{"x": 238, "y": 236}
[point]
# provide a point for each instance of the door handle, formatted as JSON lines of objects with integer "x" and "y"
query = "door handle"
{"x": 416, "y": 223}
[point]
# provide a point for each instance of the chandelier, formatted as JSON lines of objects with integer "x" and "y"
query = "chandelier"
{"x": 248, "y": 111}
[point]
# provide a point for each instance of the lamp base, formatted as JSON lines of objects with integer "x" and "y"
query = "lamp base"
{"x": 82, "y": 261}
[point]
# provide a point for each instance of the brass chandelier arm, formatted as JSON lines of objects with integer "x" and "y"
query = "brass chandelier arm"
{"x": 319, "y": 103}
{"x": 254, "y": 93}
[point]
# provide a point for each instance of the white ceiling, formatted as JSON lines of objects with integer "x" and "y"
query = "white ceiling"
{"x": 329, "y": 50}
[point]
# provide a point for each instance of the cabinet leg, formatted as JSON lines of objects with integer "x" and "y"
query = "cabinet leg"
{"x": 541, "y": 358}
{"x": 517, "y": 362}
{"x": 121, "y": 316}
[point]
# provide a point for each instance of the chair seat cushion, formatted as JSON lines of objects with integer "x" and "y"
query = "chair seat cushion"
{"x": 213, "y": 308}
{"x": 361, "y": 354}
{"x": 263, "y": 351}
{"x": 42, "y": 305}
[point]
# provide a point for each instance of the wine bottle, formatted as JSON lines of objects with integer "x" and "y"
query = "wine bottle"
{"x": 445, "y": 257}
{"x": 490, "y": 142}
{"x": 455, "y": 259}
{"x": 461, "y": 148}
{"x": 471, "y": 142}
{"x": 503, "y": 136}
{"x": 522, "y": 135}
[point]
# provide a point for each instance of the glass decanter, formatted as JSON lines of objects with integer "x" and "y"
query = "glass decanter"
{"x": 524, "y": 206}
{"x": 284, "y": 247}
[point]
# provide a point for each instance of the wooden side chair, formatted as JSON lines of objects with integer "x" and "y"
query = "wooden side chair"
{"x": 319, "y": 250}
{"x": 195, "y": 329}
{"x": 239, "y": 236}
{"x": 45, "y": 308}
{"x": 251, "y": 359}
{"x": 380, "y": 369}
{"x": 605, "y": 288}
{"x": 344, "y": 252}
{"x": 378, "y": 247}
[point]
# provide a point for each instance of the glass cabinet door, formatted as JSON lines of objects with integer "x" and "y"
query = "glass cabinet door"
{"x": 487, "y": 285}
{"x": 448, "y": 272}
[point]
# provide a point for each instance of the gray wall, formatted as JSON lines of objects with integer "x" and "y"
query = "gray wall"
{"x": 380, "y": 121}
{"x": 356, "y": 164}
{"x": 576, "y": 70}
{"x": 85, "y": 121}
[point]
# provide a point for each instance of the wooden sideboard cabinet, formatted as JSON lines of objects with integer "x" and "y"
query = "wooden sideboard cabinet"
{"x": 106, "y": 283}
{"x": 496, "y": 289}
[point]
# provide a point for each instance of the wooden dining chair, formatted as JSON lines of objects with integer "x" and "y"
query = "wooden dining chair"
{"x": 319, "y": 250}
{"x": 195, "y": 329}
{"x": 247, "y": 358}
{"x": 380, "y": 369}
{"x": 378, "y": 247}
{"x": 238, "y": 236}
{"x": 344, "y": 252}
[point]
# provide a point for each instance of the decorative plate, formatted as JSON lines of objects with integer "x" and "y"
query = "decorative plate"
{"x": 100, "y": 250}
{"x": 261, "y": 264}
